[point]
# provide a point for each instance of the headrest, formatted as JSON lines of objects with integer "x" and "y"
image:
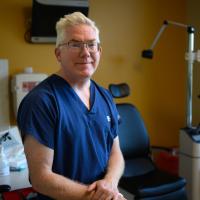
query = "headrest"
{"x": 119, "y": 90}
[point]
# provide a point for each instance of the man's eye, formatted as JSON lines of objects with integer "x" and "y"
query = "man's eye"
{"x": 92, "y": 45}
{"x": 76, "y": 45}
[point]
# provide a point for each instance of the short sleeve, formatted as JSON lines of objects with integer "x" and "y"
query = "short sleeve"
{"x": 37, "y": 117}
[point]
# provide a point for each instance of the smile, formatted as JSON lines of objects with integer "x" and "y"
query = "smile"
{"x": 84, "y": 63}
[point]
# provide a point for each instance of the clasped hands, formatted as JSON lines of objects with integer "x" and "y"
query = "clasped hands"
{"x": 104, "y": 190}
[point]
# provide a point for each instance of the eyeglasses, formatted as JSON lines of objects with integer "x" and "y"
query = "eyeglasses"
{"x": 75, "y": 46}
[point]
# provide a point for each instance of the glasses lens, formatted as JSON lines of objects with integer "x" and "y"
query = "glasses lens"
{"x": 74, "y": 46}
{"x": 93, "y": 46}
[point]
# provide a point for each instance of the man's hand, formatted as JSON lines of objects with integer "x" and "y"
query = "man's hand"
{"x": 105, "y": 190}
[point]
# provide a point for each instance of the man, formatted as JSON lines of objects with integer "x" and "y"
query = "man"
{"x": 69, "y": 123}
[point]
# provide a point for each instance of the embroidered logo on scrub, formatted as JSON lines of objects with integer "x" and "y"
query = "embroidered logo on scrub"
{"x": 108, "y": 118}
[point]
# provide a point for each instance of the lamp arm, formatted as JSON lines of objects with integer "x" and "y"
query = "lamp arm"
{"x": 191, "y": 56}
{"x": 163, "y": 27}
{"x": 176, "y": 24}
{"x": 148, "y": 53}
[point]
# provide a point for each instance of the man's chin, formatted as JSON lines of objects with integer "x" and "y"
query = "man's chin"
{"x": 87, "y": 72}
{"x": 87, "y": 75}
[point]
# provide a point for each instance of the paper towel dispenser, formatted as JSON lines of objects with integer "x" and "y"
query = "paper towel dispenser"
{"x": 22, "y": 84}
{"x": 45, "y": 14}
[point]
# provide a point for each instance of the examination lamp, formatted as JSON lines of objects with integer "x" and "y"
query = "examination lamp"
{"x": 190, "y": 56}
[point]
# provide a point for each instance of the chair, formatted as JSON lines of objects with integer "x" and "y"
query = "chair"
{"x": 141, "y": 176}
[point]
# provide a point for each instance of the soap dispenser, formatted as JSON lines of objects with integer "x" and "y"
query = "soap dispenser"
{"x": 4, "y": 164}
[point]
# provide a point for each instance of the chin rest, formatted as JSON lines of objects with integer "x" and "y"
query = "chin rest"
{"x": 141, "y": 176}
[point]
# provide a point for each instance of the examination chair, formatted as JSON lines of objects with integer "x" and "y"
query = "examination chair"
{"x": 141, "y": 177}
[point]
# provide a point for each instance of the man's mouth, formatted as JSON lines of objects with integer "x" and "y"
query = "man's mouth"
{"x": 84, "y": 63}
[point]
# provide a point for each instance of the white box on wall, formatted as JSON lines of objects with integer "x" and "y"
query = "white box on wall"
{"x": 4, "y": 96}
{"x": 22, "y": 84}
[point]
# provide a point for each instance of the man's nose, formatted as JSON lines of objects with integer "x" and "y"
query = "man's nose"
{"x": 85, "y": 50}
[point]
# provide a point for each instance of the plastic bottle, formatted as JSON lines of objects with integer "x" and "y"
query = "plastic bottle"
{"x": 4, "y": 164}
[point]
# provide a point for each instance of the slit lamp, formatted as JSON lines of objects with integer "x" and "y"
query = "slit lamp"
{"x": 190, "y": 56}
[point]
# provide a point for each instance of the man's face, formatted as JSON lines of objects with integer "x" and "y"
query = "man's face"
{"x": 82, "y": 63}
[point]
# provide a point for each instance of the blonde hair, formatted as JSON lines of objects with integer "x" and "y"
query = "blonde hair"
{"x": 73, "y": 19}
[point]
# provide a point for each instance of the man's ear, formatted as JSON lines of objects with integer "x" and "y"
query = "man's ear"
{"x": 100, "y": 50}
{"x": 57, "y": 54}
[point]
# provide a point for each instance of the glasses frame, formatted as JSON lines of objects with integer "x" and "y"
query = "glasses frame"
{"x": 80, "y": 46}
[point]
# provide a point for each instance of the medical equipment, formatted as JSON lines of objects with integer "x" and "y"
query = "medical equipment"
{"x": 4, "y": 164}
{"x": 12, "y": 157}
{"x": 189, "y": 138}
{"x": 22, "y": 84}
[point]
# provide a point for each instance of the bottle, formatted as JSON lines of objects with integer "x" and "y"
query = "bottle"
{"x": 4, "y": 164}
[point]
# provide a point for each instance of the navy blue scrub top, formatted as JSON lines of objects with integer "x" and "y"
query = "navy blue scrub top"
{"x": 81, "y": 139}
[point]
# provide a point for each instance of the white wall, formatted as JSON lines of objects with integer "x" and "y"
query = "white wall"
{"x": 4, "y": 99}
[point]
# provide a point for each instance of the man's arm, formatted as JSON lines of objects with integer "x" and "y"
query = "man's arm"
{"x": 115, "y": 167}
{"x": 43, "y": 180}
{"x": 107, "y": 187}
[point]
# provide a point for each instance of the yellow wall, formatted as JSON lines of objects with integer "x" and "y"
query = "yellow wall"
{"x": 127, "y": 27}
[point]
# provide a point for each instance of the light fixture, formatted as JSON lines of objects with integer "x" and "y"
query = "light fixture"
{"x": 190, "y": 56}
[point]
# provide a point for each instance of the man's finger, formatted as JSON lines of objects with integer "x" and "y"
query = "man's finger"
{"x": 92, "y": 187}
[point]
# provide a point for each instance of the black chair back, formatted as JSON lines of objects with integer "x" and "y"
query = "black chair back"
{"x": 133, "y": 136}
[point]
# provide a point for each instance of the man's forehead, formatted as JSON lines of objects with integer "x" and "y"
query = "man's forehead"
{"x": 81, "y": 32}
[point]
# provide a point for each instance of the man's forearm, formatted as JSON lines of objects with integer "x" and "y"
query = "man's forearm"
{"x": 108, "y": 186}
{"x": 43, "y": 179}
{"x": 115, "y": 167}
{"x": 59, "y": 187}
